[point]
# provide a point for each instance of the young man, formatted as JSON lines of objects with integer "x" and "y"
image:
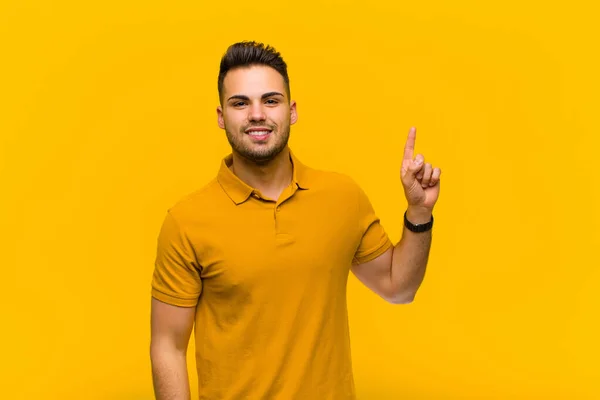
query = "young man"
{"x": 258, "y": 259}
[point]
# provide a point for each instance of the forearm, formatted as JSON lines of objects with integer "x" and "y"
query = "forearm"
{"x": 409, "y": 258}
{"x": 169, "y": 374}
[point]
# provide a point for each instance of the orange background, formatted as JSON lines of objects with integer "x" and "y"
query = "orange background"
{"x": 108, "y": 117}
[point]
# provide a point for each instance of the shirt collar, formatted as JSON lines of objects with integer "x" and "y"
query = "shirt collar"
{"x": 238, "y": 191}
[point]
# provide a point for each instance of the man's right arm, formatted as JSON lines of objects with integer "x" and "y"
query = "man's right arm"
{"x": 171, "y": 328}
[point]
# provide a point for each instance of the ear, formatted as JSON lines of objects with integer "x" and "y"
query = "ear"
{"x": 293, "y": 113}
{"x": 220, "y": 120}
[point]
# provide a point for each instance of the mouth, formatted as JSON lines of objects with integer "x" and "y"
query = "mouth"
{"x": 259, "y": 133}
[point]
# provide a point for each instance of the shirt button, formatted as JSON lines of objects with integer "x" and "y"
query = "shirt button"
{"x": 278, "y": 208}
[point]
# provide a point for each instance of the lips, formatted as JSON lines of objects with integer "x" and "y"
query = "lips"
{"x": 259, "y": 135}
{"x": 259, "y": 130}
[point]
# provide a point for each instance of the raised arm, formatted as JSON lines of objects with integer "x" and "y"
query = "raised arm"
{"x": 397, "y": 274}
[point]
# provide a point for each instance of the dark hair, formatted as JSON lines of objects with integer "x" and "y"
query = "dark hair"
{"x": 249, "y": 53}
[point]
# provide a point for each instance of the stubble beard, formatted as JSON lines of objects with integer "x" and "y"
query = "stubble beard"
{"x": 259, "y": 153}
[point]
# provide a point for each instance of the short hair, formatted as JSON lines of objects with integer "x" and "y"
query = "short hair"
{"x": 247, "y": 54}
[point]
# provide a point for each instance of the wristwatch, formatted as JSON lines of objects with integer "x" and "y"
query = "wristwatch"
{"x": 418, "y": 227}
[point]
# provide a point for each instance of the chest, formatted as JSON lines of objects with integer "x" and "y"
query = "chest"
{"x": 271, "y": 249}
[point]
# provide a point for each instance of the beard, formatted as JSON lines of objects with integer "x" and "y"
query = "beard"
{"x": 259, "y": 153}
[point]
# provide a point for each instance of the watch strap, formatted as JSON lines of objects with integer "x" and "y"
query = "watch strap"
{"x": 417, "y": 228}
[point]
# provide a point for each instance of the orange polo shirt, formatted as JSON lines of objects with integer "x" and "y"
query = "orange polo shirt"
{"x": 268, "y": 280}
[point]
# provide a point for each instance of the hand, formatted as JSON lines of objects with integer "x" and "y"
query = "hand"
{"x": 420, "y": 180}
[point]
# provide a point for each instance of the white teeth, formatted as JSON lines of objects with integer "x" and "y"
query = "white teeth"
{"x": 258, "y": 133}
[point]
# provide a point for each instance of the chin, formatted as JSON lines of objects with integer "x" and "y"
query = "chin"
{"x": 263, "y": 156}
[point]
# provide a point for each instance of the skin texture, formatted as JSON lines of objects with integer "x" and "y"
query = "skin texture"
{"x": 256, "y": 97}
{"x": 170, "y": 328}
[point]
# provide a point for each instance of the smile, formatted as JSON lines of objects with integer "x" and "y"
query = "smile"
{"x": 259, "y": 135}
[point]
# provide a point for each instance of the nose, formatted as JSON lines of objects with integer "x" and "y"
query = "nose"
{"x": 256, "y": 113}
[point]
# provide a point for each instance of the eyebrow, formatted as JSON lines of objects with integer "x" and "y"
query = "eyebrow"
{"x": 264, "y": 96}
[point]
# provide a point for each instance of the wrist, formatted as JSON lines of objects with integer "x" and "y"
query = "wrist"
{"x": 418, "y": 215}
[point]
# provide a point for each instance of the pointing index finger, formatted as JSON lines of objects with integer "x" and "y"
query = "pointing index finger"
{"x": 409, "y": 147}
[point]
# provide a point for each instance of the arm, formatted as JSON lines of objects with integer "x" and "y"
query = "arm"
{"x": 397, "y": 274}
{"x": 176, "y": 287}
{"x": 171, "y": 327}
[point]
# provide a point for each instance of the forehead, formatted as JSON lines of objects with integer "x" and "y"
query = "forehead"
{"x": 254, "y": 80}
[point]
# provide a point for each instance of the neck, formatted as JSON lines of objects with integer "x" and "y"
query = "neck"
{"x": 271, "y": 178}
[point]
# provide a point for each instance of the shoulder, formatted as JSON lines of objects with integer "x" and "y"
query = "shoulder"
{"x": 341, "y": 188}
{"x": 332, "y": 181}
{"x": 192, "y": 205}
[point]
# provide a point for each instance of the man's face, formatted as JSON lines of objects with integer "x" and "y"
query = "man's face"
{"x": 256, "y": 112}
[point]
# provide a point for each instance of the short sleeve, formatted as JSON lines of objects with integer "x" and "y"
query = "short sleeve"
{"x": 176, "y": 278}
{"x": 374, "y": 239}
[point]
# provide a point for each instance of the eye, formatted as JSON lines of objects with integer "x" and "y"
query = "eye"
{"x": 272, "y": 101}
{"x": 238, "y": 104}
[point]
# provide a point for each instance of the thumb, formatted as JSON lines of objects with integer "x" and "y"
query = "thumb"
{"x": 413, "y": 168}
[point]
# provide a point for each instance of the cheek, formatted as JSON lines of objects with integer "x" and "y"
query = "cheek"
{"x": 232, "y": 120}
{"x": 280, "y": 117}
